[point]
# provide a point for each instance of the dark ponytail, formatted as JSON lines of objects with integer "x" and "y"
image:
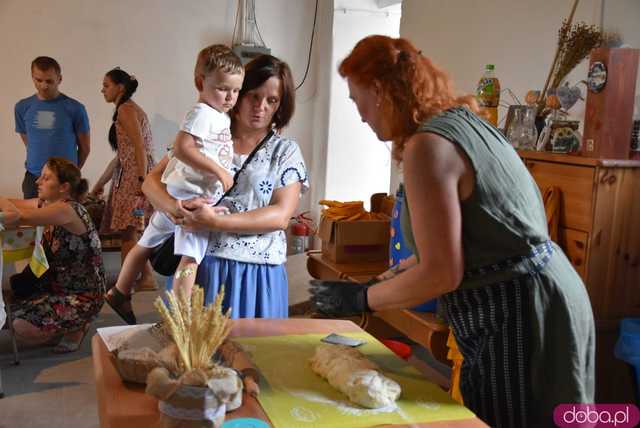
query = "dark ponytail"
{"x": 67, "y": 172}
{"x": 130, "y": 83}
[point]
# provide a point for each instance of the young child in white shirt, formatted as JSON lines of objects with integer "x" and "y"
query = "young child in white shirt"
{"x": 199, "y": 165}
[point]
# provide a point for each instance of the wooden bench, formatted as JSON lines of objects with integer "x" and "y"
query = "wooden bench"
{"x": 110, "y": 242}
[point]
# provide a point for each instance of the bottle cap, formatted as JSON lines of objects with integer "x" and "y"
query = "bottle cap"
{"x": 489, "y": 67}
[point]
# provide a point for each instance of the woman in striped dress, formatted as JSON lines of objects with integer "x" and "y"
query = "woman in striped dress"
{"x": 519, "y": 312}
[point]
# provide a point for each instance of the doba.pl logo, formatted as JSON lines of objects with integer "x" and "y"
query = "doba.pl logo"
{"x": 596, "y": 415}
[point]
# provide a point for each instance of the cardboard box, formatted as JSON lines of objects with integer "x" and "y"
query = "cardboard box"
{"x": 355, "y": 241}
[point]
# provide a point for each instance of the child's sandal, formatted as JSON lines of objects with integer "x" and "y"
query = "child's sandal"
{"x": 116, "y": 300}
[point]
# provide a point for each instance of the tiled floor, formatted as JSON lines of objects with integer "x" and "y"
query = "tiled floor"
{"x": 49, "y": 391}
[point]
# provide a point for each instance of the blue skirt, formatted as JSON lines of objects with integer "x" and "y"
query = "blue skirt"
{"x": 251, "y": 290}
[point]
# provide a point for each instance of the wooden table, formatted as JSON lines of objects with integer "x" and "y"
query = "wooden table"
{"x": 123, "y": 405}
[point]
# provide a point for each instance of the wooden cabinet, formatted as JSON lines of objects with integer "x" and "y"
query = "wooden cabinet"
{"x": 600, "y": 233}
{"x": 599, "y": 225}
{"x": 576, "y": 183}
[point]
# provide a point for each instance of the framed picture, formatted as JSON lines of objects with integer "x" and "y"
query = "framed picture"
{"x": 564, "y": 137}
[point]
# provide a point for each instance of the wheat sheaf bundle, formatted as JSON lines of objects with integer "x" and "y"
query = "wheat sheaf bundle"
{"x": 197, "y": 330}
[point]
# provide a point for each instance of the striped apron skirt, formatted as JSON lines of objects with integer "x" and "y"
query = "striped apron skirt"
{"x": 491, "y": 324}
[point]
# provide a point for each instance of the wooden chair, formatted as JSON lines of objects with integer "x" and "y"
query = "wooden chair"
{"x": 110, "y": 242}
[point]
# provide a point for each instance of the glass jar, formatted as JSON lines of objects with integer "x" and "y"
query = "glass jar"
{"x": 529, "y": 132}
{"x": 522, "y": 132}
{"x": 514, "y": 132}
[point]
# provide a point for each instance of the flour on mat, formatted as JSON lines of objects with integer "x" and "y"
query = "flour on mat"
{"x": 344, "y": 407}
{"x": 428, "y": 404}
{"x": 247, "y": 347}
{"x": 303, "y": 415}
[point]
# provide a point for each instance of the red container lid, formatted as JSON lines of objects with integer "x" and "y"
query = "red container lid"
{"x": 402, "y": 350}
{"x": 300, "y": 229}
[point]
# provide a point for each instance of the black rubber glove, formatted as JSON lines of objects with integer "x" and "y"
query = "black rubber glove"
{"x": 339, "y": 298}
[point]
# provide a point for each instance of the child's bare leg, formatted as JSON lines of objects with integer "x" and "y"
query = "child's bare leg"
{"x": 147, "y": 281}
{"x": 185, "y": 275}
{"x": 133, "y": 264}
{"x": 119, "y": 297}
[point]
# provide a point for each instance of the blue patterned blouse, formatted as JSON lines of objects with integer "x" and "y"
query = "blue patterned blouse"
{"x": 276, "y": 164}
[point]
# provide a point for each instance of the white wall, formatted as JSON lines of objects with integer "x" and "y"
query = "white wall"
{"x": 323, "y": 46}
{"x": 358, "y": 164}
{"x": 519, "y": 37}
{"x": 157, "y": 40}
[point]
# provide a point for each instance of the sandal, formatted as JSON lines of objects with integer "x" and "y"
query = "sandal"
{"x": 116, "y": 300}
{"x": 67, "y": 345}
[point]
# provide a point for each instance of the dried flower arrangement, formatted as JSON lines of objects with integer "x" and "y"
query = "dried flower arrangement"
{"x": 575, "y": 42}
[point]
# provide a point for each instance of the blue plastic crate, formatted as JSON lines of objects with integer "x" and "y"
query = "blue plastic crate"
{"x": 628, "y": 346}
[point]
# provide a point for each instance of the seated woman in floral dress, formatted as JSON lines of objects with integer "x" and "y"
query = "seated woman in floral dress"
{"x": 68, "y": 297}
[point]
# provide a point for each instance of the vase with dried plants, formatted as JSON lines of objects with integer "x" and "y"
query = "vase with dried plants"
{"x": 200, "y": 390}
{"x": 575, "y": 42}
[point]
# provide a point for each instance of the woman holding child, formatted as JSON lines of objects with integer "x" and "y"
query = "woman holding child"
{"x": 68, "y": 297}
{"x": 247, "y": 248}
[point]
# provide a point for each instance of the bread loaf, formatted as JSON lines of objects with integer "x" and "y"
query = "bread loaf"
{"x": 351, "y": 373}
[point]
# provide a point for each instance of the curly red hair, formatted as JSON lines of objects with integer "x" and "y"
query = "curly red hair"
{"x": 413, "y": 88}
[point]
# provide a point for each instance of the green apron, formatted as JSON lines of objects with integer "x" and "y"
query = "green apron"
{"x": 521, "y": 315}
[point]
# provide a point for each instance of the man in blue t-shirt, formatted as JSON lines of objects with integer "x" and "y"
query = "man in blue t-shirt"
{"x": 50, "y": 124}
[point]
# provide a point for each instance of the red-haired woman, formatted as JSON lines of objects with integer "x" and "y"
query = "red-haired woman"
{"x": 518, "y": 310}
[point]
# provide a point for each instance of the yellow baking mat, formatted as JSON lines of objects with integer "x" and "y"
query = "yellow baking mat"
{"x": 292, "y": 395}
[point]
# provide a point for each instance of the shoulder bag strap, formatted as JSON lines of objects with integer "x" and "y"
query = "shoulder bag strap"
{"x": 244, "y": 164}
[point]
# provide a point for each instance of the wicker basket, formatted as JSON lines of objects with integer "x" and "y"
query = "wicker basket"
{"x": 135, "y": 365}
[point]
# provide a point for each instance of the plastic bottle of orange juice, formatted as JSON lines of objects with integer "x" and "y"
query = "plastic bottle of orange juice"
{"x": 488, "y": 93}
